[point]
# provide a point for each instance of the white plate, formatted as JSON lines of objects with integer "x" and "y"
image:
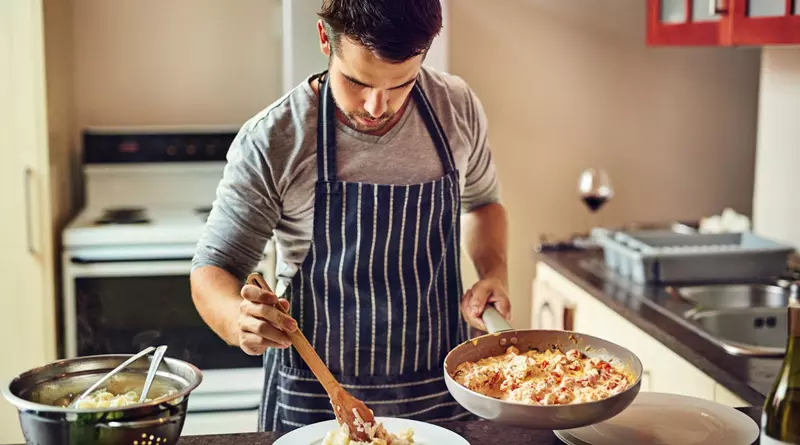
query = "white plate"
{"x": 424, "y": 433}
{"x": 568, "y": 439}
{"x": 670, "y": 419}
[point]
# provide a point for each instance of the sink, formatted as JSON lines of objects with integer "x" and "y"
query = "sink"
{"x": 735, "y": 296}
{"x": 743, "y": 319}
{"x": 757, "y": 331}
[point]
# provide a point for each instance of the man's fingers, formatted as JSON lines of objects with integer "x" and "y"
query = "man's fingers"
{"x": 254, "y": 344}
{"x": 479, "y": 294}
{"x": 270, "y": 313}
{"x": 264, "y": 330}
{"x": 472, "y": 320}
{"x": 258, "y": 295}
{"x": 503, "y": 305}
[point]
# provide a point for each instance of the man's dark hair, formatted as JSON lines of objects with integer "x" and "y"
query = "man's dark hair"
{"x": 395, "y": 30}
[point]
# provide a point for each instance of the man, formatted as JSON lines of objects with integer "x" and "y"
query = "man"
{"x": 361, "y": 174}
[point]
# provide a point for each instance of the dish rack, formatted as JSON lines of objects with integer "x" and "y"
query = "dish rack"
{"x": 669, "y": 257}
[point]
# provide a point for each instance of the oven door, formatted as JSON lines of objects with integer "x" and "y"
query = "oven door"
{"x": 113, "y": 306}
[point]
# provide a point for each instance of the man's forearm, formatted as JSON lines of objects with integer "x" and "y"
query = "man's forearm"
{"x": 485, "y": 235}
{"x": 216, "y": 295}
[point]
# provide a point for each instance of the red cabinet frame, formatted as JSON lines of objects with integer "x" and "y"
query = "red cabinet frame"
{"x": 686, "y": 33}
{"x": 735, "y": 27}
{"x": 747, "y": 30}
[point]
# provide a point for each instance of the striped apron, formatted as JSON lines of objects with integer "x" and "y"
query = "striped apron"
{"x": 377, "y": 295}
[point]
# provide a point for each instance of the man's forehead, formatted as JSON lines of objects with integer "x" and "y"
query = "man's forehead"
{"x": 358, "y": 62}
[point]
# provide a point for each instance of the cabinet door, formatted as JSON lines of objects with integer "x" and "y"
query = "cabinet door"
{"x": 724, "y": 396}
{"x": 765, "y": 22}
{"x": 686, "y": 22}
{"x": 28, "y": 324}
{"x": 550, "y": 310}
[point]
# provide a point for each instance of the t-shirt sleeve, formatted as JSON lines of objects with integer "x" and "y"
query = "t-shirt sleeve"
{"x": 245, "y": 211}
{"x": 482, "y": 186}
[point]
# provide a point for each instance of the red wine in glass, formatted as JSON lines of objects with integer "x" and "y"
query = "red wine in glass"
{"x": 595, "y": 188}
{"x": 594, "y": 201}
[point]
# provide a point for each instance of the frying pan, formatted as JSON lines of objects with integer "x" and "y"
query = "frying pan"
{"x": 550, "y": 417}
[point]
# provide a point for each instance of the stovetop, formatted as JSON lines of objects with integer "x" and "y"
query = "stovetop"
{"x": 147, "y": 225}
{"x": 147, "y": 187}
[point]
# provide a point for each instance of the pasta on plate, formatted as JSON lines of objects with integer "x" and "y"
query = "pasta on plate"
{"x": 377, "y": 433}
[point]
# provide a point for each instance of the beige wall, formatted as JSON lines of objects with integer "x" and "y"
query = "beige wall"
{"x": 567, "y": 86}
{"x": 776, "y": 206}
{"x": 177, "y": 62}
{"x": 174, "y": 63}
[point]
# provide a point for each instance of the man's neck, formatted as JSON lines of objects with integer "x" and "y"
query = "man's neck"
{"x": 344, "y": 120}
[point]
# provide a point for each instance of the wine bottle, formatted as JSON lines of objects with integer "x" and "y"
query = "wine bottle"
{"x": 780, "y": 420}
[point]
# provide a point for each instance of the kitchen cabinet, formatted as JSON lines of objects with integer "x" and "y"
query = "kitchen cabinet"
{"x": 683, "y": 22}
{"x": 723, "y": 22}
{"x": 30, "y": 127}
{"x": 664, "y": 370}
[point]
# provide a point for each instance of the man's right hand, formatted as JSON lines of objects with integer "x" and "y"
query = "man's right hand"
{"x": 261, "y": 325}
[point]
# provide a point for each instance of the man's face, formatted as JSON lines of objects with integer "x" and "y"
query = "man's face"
{"x": 367, "y": 90}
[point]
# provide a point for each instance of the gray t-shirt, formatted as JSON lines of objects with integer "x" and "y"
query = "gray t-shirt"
{"x": 268, "y": 185}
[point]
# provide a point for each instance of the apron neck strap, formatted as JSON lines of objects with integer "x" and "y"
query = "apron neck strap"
{"x": 326, "y": 131}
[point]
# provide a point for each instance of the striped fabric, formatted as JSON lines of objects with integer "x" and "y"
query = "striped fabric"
{"x": 378, "y": 294}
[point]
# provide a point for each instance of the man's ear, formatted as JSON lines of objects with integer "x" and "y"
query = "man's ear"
{"x": 324, "y": 40}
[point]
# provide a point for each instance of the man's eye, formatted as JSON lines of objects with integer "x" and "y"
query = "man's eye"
{"x": 354, "y": 85}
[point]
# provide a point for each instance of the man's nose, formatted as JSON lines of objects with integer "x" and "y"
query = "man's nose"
{"x": 376, "y": 103}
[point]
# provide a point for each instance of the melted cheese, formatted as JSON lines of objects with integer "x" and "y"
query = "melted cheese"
{"x": 543, "y": 378}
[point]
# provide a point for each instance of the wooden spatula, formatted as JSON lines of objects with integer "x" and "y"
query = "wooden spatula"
{"x": 344, "y": 404}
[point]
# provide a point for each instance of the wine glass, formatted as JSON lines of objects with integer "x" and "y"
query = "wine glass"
{"x": 595, "y": 190}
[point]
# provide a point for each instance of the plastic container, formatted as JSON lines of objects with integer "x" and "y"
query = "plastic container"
{"x": 669, "y": 257}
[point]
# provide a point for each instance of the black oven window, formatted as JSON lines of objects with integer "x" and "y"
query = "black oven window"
{"x": 123, "y": 315}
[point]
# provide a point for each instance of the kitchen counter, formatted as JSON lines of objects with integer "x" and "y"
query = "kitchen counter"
{"x": 748, "y": 377}
{"x": 475, "y": 432}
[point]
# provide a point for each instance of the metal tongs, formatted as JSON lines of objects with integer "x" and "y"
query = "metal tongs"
{"x": 151, "y": 373}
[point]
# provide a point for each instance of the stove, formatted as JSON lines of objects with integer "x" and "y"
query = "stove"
{"x": 127, "y": 258}
{"x": 123, "y": 215}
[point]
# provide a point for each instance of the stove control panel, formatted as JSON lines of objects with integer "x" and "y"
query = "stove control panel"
{"x": 117, "y": 147}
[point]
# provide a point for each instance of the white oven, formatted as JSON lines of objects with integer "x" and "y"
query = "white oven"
{"x": 126, "y": 262}
{"x": 122, "y": 305}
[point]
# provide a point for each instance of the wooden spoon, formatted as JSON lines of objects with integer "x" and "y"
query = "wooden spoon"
{"x": 344, "y": 404}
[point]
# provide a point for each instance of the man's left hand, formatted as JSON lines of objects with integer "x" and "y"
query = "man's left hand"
{"x": 488, "y": 291}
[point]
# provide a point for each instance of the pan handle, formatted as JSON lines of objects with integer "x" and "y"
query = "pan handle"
{"x": 494, "y": 321}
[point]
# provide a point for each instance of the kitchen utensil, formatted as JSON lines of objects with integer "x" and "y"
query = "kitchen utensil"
{"x": 553, "y": 417}
{"x": 344, "y": 404}
{"x": 35, "y": 392}
{"x": 424, "y": 433}
{"x": 151, "y": 373}
{"x": 669, "y": 419}
{"x": 113, "y": 372}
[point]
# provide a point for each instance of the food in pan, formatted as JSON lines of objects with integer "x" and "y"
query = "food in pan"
{"x": 377, "y": 434}
{"x": 103, "y": 398}
{"x": 551, "y": 377}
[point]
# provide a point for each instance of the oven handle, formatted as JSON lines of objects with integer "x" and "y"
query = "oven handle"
{"x": 91, "y": 269}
